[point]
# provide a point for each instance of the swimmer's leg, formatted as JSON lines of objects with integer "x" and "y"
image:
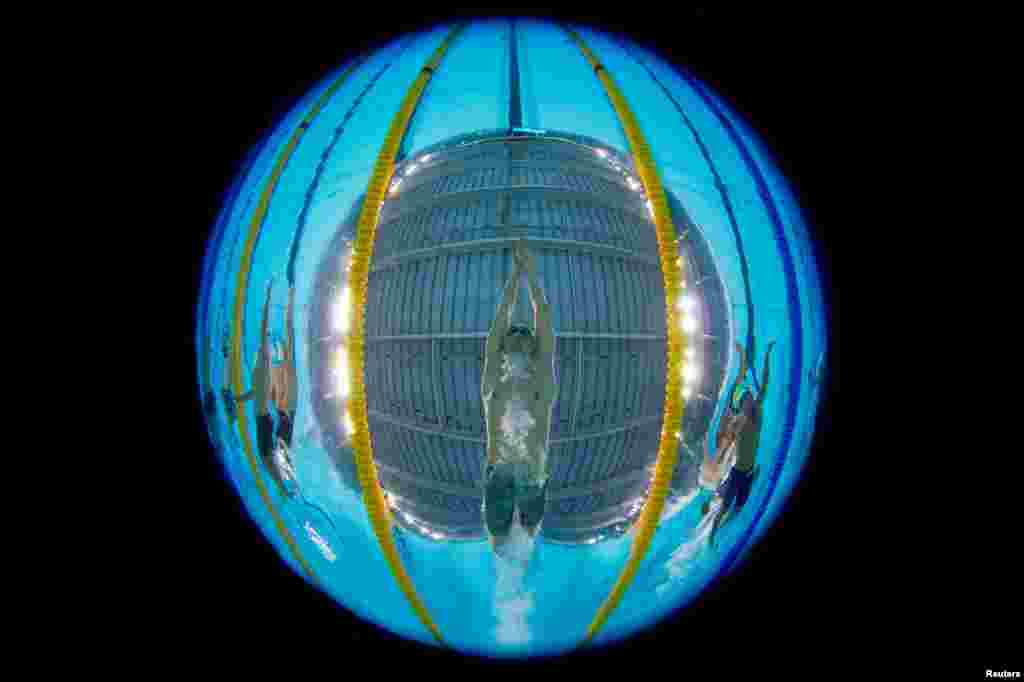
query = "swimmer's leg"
{"x": 531, "y": 501}
{"x": 265, "y": 444}
{"x": 499, "y": 502}
{"x": 760, "y": 387}
{"x": 740, "y": 377}
{"x": 285, "y": 425}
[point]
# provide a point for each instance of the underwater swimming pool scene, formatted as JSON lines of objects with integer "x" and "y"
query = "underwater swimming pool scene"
{"x": 511, "y": 337}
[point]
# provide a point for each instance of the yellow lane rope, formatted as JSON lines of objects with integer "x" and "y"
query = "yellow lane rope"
{"x": 239, "y": 318}
{"x": 359, "y": 270}
{"x": 676, "y": 344}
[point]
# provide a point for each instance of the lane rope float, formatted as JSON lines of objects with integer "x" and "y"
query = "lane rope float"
{"x": 359, "y": 271}
{"x": 676, "y": 343}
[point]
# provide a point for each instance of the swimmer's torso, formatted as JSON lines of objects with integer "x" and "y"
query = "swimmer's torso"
{"x": 261, "y": 384}
{"x": 519, "y": 416}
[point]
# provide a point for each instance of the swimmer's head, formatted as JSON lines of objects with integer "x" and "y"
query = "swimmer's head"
{"x": 519, "y": 339}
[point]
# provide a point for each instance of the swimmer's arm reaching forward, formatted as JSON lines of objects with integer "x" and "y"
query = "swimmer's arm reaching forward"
{"x": 740, "y": 376}
{"x": 765, "y": 374}
{"x": 541, "y": 311}
{"x": 289, "y": 350}
{"x": 501, "y": 324}
{"x": 266, "y": 320}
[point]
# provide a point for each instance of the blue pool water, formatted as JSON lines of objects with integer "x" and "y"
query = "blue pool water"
{"x": 708, "y": 157}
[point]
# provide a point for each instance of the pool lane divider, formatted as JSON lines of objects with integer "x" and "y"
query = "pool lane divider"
{"x": 241, "y": 290}
{"x": 676, "y": 344}
{"x": 359, "y": 270}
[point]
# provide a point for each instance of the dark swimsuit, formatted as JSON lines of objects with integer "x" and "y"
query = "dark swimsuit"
{"x": 531, "y": 505}
{"x": 499, "y": 500}
{"x": 285, "y": 424}
{"x": 737, "y": 488}
{"x": 265, "y": 438}
{"x": 501, "y": 495}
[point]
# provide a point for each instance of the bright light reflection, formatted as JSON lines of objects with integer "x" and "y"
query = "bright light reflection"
{"x": 687, "y": 392}
{"x": 602, "y": 153}
{"x": 687, "y": 302}
{"x": 342, "y": 312}
{"x": 691, "y": 373}
{"x": 690, "y": 353}
{"x": 689, "y": 324}
{"x": 350, "y": 428}
{"x": 395, "y": 185}
{"x": 341, "y": 373}
{"x": 411, "y": 169}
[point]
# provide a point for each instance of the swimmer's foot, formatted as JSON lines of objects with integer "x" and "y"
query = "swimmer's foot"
{"x": 499, "y": 502}
{"x": 532, "y": 503}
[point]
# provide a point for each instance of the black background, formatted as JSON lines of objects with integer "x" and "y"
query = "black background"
{"x": 805, "y": 604}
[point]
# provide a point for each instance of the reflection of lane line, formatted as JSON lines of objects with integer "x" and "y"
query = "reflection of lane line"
{"x": 515, "y": 109}
{"x": 315, "y": 183}
{"x": 359, "y": 268}
{"x": 240, "y": 296}
{"x": 210, "y": 328}
{"x": 726, "y": 200}
{"x": 676, "y": 343}
{"x": 206, "y": 335}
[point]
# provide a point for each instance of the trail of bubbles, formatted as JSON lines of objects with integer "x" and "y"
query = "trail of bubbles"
{"x": 512, "y": 601}
{"x": 681, "y": 559}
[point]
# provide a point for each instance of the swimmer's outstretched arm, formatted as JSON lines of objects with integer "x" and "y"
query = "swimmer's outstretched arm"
{"x": 289, "y": 350}
{"x": 765, "y": 373}
{"x": 541, "y": 311}
{"x": 503, "y": 317}
{"x": 743, "y": 370}
{"x": 266, "y": 316}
